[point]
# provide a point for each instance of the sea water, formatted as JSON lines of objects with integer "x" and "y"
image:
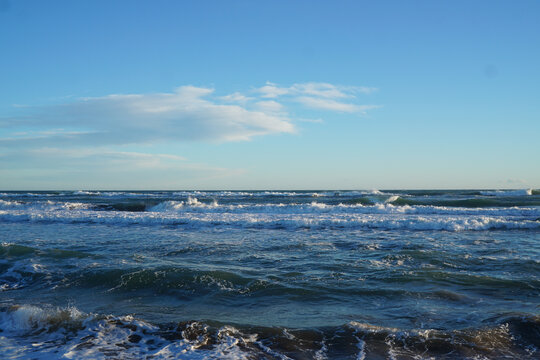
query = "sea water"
{"x": 270, "y": 274}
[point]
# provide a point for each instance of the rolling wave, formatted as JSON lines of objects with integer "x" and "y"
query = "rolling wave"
{"x": 75, "y": 334}
{"x": 196, "y": 214}
{"x": 524, "y": 192}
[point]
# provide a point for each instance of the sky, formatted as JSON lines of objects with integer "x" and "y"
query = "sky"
{"x": 269, "y": 94}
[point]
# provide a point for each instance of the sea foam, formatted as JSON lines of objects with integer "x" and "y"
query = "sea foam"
{"x": 311, "y": 216}
{"x": 523, "y": 192}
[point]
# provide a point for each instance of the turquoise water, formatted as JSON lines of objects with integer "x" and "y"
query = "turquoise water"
{"x": 302, "y": 275}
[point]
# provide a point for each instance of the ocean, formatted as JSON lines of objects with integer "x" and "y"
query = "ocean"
{"x": 270, "y": 274}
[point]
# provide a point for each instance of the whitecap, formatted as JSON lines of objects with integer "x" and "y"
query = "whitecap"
{"x": 522, "y": 192}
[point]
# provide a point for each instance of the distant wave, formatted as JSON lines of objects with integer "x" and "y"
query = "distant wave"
{"x": 43, "y": 205}
{"x": 393, "y": 205}
{"x": 311, "y": 216}
{"x": 392, "y": 199}
{"x": 112, "y": 194}
{"x": 287, "y": 210}
{"x": 524, "y": 192}
{"x": 179, "y": 205}
{"x": 374, "y": 194}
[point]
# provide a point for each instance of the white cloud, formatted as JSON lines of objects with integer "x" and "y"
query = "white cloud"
{"x": 270, "y": 106}
{"x": 318, "y": 89}
{"x": 321, "y": 96}
{"x": 333, "y": 105}
{"x": 271, "y": 90}
{"x": 236, "y": 97}
{"x": 365, "y": 89}
{"x": 186, "y": 114}
{"x": 321, "y": 90}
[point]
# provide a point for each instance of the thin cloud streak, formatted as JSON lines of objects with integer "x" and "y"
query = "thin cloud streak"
{"x": 333, "y": 105}
{"x": 319, "y": 96}
{"x": 324, "y": 90}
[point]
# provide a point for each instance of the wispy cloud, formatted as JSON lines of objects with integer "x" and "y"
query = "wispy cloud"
{"x": 271, "y": 90}
{"x": 270, "y": 106}
{"x": 236, "y": 97}
{"x": 321, "y": 96}
{"x": 325, "y": 90}
{"x": 142, "y": 160}
{"x": 186, "y": 114}
{"x": 333, "y": 105}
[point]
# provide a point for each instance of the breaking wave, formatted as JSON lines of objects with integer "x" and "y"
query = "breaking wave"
{"x": 524, "y": 192}
{"x": 52, "y": 332}
{"x": 197, "y": 214}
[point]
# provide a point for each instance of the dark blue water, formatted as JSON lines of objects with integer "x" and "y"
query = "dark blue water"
{"x": 302, "y": 275}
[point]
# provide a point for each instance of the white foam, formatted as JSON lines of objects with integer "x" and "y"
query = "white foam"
{"x": 322, "y": 353}
{"x": 197, "y": 214}
{"x": 4, "y": 204}
{"x": 306, "y": 216}
{"x": 212, "y": 193}
{"x": 391, "y": 199}
{"x": 180, "y": 205}
{"x": 319, "y": 206}
{"x": 42, "y": 205}
{"x": 28, "y": 317}
{"x": 115, "y": 194}
{"x": 20, "y": 273}
{"x": 83, "y": 192}
{"x": 71, "y": 334}
{"x": 523, "y": 192}
{"x": 17, "y": 194}
{"x": 361, "y": 344}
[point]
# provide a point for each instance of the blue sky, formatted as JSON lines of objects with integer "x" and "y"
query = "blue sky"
{"x": 269, "y": 95}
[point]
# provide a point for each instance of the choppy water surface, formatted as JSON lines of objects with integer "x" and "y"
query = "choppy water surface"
{"x": 270, "y": 275}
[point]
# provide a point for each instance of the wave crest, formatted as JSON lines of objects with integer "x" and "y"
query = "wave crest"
{"x": 522, "y": 192}
{"x": 73, "y": 334}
